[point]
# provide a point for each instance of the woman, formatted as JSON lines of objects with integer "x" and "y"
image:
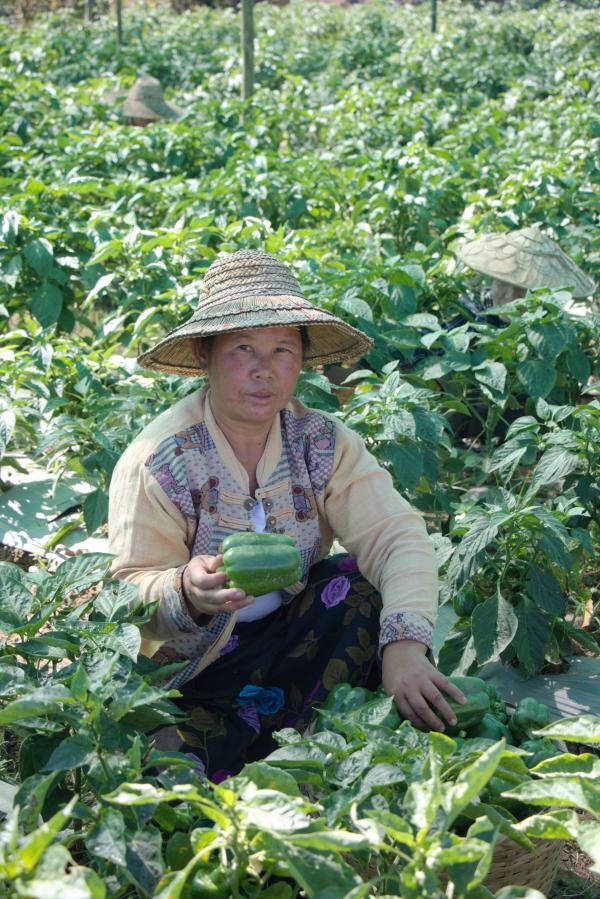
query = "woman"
{"x": 241, "y": 454}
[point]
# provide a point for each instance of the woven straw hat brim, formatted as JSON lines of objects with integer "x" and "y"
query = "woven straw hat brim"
{"x": 159, "y": 109}
{"x": 526, "y": 258}
{"x": 330, "y": 338}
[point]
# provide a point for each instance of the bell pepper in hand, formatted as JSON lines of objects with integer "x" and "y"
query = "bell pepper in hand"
{"x": 260, "y": 563}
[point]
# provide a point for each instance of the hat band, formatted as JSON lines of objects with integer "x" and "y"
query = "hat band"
{"x": 252, "y": 300}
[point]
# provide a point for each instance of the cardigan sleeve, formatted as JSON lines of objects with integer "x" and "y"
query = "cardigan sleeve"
{"x": 150, "y": 539}
{"x": 387, "y": 536}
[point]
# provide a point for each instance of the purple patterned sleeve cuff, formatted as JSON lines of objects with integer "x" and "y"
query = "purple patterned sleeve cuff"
{"x": 405, "y": 626}
{"x": 175, "y": 606}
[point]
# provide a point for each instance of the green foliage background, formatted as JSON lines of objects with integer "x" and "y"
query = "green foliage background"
{"x": 370, "y": 148}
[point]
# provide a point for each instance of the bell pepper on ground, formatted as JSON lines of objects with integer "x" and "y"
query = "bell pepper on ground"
{"x": 490, "y": 728}
{"x": 259, "y": 566}
{"x": 473, "y": 711}
{"x": 528, "y": 716}
{"x": 540, "y": 749}
{"x": 497, "y": 707}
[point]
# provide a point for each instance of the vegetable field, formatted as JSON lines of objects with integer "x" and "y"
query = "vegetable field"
{"x": 370, "y": 149}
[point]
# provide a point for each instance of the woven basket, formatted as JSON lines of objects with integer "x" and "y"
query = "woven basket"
{"x": 512, "y": 865}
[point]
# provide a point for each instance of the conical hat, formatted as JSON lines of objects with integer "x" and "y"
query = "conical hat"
{"x": 252, "y": 289}
{"x": 526, "y": 258}
{"x": 145, "y": 100}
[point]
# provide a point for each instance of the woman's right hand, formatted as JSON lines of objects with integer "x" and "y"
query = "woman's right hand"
{"x": 204, "y": 588}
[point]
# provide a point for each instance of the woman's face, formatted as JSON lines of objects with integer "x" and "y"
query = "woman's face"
{"x": 252, "y": 373}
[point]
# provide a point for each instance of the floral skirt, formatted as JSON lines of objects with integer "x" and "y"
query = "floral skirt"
{"x": 275, "y": 671}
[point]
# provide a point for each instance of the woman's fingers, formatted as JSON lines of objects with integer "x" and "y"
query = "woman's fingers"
{"x": 425, "y": 713}
{"x": 205, "y": 590}
{"x": 436, "y": 700}
{"x": 447, "y": 687}
{"x": 409, "y": 714}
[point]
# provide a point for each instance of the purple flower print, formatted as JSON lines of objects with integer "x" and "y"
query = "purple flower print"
{"x": 249, "y": 714}
{"x": 199, "y": 770}
{"x": 348, "y": 563}
{"x": 230, "y": 645}
{"x": 335, "y": 592}
{"x": 220, "y": 775}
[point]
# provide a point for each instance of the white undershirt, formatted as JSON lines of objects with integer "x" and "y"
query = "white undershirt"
{"x": 268, "y": 602}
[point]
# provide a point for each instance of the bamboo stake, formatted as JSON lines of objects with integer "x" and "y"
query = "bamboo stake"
{"x": 119, "y": 13}
{"x": 247, "y": 48}
{"x": 434, "y": 15}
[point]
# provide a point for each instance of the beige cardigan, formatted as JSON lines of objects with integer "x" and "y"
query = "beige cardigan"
{"x": 153, "y": 534}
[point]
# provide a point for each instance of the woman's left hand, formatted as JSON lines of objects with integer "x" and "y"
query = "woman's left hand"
{"x": 417, "y": 685}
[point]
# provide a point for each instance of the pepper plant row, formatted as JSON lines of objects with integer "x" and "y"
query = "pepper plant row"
{"x": 364, "y": 806}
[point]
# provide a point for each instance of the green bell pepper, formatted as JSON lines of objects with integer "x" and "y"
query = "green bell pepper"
{"x": 497, "y": 707}
{"x": 260, "y": 563}
{"x": 464, "y": 602}
{"x": 541, "y": 749}
{"x": 475, "y": 708}
{"x": 528, "y": 716}
{"x": 258, "y": 538}
{"x": 490, "y": 728}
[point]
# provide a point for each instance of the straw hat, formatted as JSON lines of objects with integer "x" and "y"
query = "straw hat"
{"x": 525, "y": 258}
{"x": 145, "y": 100}
{"x": 252, "y": 289}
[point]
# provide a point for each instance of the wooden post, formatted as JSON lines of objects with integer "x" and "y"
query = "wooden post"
{"x": 88, "y": 10}
{"x": 434, "y": 15}
{"x": 119, "y": 13}
{"x": 247, "y": 48}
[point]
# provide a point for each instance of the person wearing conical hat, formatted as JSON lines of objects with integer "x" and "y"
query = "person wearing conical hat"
{"x": 144, "y": 103}
{"x": 518, "y": 261}
{"x": 241, "y": 454}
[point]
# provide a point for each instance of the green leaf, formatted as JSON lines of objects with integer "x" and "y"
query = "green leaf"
{"x": 100, "y": 285}
{"x": 9, "y": 228}
{"x": 532, "y": 635}
{"x": 7, "y": 425}
{"x": 95, "y": 510}
{"x": 107, "y": 838}
{"x": 74, "y": 752}
{"x": 494, "y": 624}
{"x": 36, "y": 843}
{"x": 553, "y": 465}
{"x": 275, "y": 812}
{"x": 579, "y": 729}
{"x": 471, "y": 781}
{"x": 40, "y": 256}
{"x": 80, "y": 572}
{"x": 588, "y": 837}
{"x": 16, "y": 601}
{"x": 545, "y": 590}
{"x": 143, "y": 857}
{"x": 559, "y": 825}
{"x": 330, "y": 840}
{"x": 357, "y": 307}
{"x": 43, "y": 701}
{"x": 492, "y": 375}
{"x": 566, "y": 792}
{"x": 264, "y": 776}
{"x": 538, "y": 378}
{"x": 406, "y": 459}
{"x": 548, "y": 341}
{"x": 46, "y": 304}
{"x": 298, "y": 756}
{"x": 316, "y": 873}
{"x": 117, "y": 600}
